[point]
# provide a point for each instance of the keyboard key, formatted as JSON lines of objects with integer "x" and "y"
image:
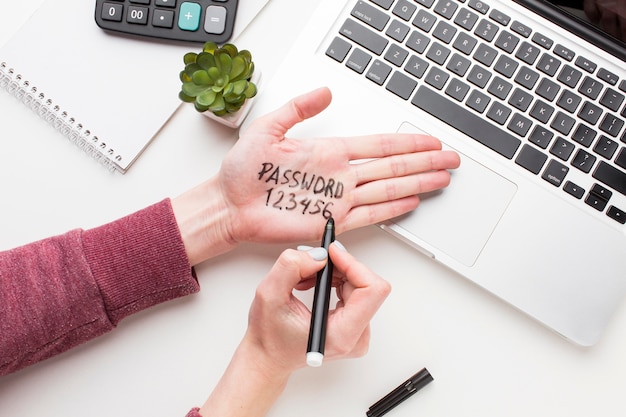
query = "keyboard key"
{"x": 562, "y": 149}
{"x": 436, "y": 78}
{"x": 541, "y": 137}
{"x": 358, "y": 60}
{"x": 506, "y": 66}
{"x": 385, "y": 4}
{"x": 444, "y": 32}
{"x": 446, "y": 8}
{"x": 370, "y": 15}
{"x": 521, "y": 29}
{"x": 519, "y": 124}
{"x": 424, "y": 20}
{"x": 569, "y": 101}
{"x": 464, "y": 43}
{"x": 404, "y": 9}
{"x": 527, "y": 78}
{"x": 458, "y": 65}
{"x": 573, "y": 190}
{"x": 605, "y": 147}
{"x": 396, "y": 55}
{"x": 601, "y": 192}
{"x": 479, "y": 6}
{"x": 465, "y": 121}
{"x": 500, "y": 88}
{"x": 562, "y": 123}
{"x": 612, "y": 99}
{"x": 378, "y": 72}
{"x": 338, "y": 49}
{"x": 611, "y": 125}
{"x": 438, "y": 53}
{"x": 569, "y": 76}
{"x": 163, "y": 19}
{"x": 584, "y": 135}
{"x": 479, "y": 76}
{"x": 139, "y": 16}
{"x": 418, "y": 42}
{"x": 547, "y": 89}
{"x": 520, "y": 99}
{"x": 527, "y": 53}
{"x": 616, "y": 214}
{"x": 608, "y": 76}
{"x": 585, "y": 64}
{"x": 542, "y": 40}
{"x": 583, "y": 160}
{"x": 541, "y": 111}
{"x": 364, "y": 36}
{"x": 189, "y": 16}
{"x": 564, "y": 52}
{"x": 485, "y": 54}
{"x": 531, "y": 159}
{"x": 611, "y": 177}
{"x": 555, "y": 173}
{"x": 401, "y": 85}
{"x": 596, "y": 202}
{"x": 478, "y": 101}
{"x": 591, "y": 88}
{"x": 466, "y": 19}
{"x": 397, "y": 30}
{"x": 457, "y": 89}
{"x": 548, "y": 64}
{"x": 621, "y": 158}
{"x": 112, "y": 12}
{"x": 499, "y": 113}
{"x": 499, "y": 17}
{"x": 486, "y": 30}
{"x": 590, "y": 113}
{"x": 507, "y": 41}
{"x": 416, "y": 66}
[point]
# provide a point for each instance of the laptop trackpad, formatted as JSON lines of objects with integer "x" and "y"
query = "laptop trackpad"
{"x": 459, "y": 219}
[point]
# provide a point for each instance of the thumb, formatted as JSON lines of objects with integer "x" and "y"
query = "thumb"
{"x": 303, "y": 107}
{"x": 290, "y": 268}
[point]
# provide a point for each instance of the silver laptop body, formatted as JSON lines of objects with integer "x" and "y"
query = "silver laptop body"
{"x": 535, "y": 214}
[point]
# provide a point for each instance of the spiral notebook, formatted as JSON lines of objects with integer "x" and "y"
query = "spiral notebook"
{"x": 109, "y": 94}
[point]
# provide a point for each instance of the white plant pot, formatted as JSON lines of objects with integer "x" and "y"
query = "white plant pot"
{"x": 234, "y": 120}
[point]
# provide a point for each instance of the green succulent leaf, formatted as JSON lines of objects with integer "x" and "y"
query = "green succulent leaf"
{"x": 202, "y": 78}
{"x": 214, "y": 73}
{"x": 207, "y": 98}
{"x": 224, "y": 62}
{"x": 190, "y": 58}
{"x": 209, "y": 47}
{"x": 218, "y": 105}
{"x": 192, "y": 89}
{"x": 184, "y": 77}
{"x": 250, "y": 90}
{"x": 230, "y": 49}
{"x": 185, "y": 98}
{"x": 206, "y": 60}
{"x": 238, "y": 67}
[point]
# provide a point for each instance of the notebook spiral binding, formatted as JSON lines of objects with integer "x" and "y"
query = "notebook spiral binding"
{"x": 52, "y": 113}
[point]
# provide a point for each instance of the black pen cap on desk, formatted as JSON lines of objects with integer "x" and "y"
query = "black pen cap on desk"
{"x": 400, "y": 393}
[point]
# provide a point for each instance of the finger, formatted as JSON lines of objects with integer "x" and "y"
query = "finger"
{"x": 364, "y": 291}
{"x": 290, "y": 268}
{"x": 278, "y": 122}
{"x": 381, "y": 145}
{"x": 368, "y": 214}
{"x": 406, "y": 164}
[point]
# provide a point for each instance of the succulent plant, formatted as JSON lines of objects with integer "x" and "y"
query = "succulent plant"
{"x": 217, "y": 79}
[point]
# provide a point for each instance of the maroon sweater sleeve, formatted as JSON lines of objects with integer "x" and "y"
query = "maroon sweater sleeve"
{"x": 62, "y": 291}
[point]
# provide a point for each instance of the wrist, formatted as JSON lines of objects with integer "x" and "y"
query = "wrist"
{"x": 249, "y": 387}
{"x": 203, "y": 221}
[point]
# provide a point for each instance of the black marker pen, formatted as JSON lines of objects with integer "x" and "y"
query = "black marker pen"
{"x": 321, "y": 303}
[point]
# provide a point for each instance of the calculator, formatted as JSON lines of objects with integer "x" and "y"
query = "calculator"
{"x": 177, "y": 20}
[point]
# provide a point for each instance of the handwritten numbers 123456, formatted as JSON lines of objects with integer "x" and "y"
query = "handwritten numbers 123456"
{"x": 287, "y": 201}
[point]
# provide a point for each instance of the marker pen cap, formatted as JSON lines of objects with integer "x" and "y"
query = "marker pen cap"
{"x": 314, "y": 359}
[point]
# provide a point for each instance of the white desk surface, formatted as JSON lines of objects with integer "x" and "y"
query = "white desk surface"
{"x": 487, "y": 359}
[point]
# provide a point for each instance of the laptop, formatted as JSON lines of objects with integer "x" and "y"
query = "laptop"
{"x": 533, "y": 99}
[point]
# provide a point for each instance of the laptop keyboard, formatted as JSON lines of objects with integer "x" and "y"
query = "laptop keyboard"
{"x": 529, "y": 99}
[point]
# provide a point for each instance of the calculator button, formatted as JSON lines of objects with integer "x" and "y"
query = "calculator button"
{"x": 137, "y": 15}
{"x": 165, "y": 3}
{"x": 113, "y": 12}
{"x": 215, "y": 21}
{"x": 163, "y": 19}
{"x": 189, "y": 18}
{"x": 140, "y": 1}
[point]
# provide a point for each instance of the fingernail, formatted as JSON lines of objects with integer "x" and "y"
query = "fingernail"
{"x": 340, "y": 245}
{"x": 319, "y": 253}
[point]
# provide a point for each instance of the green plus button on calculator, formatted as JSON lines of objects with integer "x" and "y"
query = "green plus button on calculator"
{"x": 189, "y": 21}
